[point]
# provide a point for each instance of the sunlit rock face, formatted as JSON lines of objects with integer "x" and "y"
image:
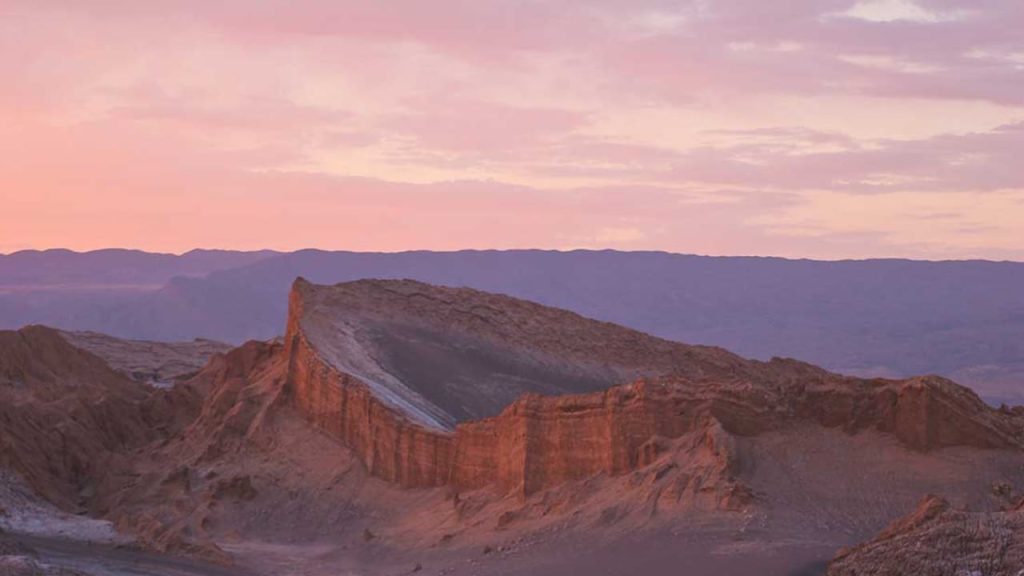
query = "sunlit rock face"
{"x": 444, "y": 386}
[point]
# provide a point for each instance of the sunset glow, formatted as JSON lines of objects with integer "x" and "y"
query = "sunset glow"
{"x": 811, "y": 128}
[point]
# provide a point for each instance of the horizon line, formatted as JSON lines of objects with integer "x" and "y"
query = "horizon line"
{"x": 277, "y": 252}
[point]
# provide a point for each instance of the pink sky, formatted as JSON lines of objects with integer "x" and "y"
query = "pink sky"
{"x": 806, "y": 128}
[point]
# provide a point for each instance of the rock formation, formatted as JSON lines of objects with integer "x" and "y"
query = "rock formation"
{"x": 388, "y": 366}
{"x": 937, "y": 539}
{"x": 156, "y": 363}
{"x": 169, "y": 503}
{"x": 67, "y": 420}
{"x": 506, "y": 415}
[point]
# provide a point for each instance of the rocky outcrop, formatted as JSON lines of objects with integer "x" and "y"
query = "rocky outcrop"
{"x": 154, "y": 363}
{"x": 925, "y": 413}
{"x": 390, "y": 445}
{"x": 441, "y": 356}
{"x": 938, "y": 540}
{"x": 67, "y": 419}
{"x": 177, "y": 487}
{"x": 344, "y": 378}
{"x": 37, "y": 362}
{"x": 240, "y": 388}
{"x": 339, "y": 379}
{"x": 540, "y": 442}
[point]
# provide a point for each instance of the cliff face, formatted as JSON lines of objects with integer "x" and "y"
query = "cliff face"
{"x": 390, "y": 445}
{"x": 538, "y": 441}
{"x": 924, "y": 413}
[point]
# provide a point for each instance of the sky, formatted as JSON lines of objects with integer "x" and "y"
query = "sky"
{"x": 808, "y": 128}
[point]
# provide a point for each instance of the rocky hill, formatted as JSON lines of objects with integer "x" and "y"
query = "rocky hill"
{"x": 68, "y": 420}
{"x": 937, "y": 539}
{"x": 405, "y": 427}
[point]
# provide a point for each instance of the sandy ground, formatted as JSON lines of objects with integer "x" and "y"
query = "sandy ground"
{"x": 113, "y": 560}
{"x": 692, "y": 555}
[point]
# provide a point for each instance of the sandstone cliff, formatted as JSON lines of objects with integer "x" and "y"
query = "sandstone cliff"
{"x": 395, "y": 408}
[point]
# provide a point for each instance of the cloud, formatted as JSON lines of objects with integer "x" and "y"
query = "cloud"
{"x": 973, "y": 162}
{"x": 957, "y": 225}
{"x": 480, "y": 128}
{"x": 900, "y": 11}
{"x": 723, "y": 127}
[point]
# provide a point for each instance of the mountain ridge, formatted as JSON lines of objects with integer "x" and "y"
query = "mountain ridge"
{"x": 895, "y": 318}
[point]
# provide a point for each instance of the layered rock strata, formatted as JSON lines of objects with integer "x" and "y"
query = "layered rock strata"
{"x": 348, "y": 379}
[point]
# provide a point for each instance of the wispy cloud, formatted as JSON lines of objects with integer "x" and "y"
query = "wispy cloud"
{"x": 813, "y": 127}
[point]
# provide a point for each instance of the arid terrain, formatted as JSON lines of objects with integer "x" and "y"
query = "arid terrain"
{"x": 512, "y": 288}
{"x": 401, "y": 427}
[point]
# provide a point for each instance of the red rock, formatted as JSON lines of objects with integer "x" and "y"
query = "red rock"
{"x": 431, "y": 387}
{"x": 67, "y": 419}
{"x": 539, "y": 441}
{"x": 937, "y": 540}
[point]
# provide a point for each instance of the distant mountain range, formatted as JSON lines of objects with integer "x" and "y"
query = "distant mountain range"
{"x": 962, "y": 319}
